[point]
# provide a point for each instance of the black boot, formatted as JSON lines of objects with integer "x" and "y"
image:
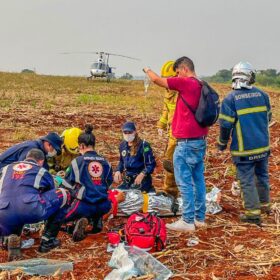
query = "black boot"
{"x": 48, "y": 244}
{"x": 14, "y": 251}
{"x": 79, "y": 232}
{"x": 97, "y": 225}
{"x": 256, "y": 219}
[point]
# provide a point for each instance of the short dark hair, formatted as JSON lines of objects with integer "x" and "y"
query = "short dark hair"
{"x": 87, "y": 137}
{"x": 35, "y": 154}
{"x": 183, "y": 60}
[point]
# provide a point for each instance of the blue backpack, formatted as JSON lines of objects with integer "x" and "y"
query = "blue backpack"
{"x": 208, "y": 109}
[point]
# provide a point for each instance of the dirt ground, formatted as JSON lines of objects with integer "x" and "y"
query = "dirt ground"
{"x": 227, "y": 249}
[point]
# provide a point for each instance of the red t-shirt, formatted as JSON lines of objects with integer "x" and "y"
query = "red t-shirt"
{"x": 184, "y": 124}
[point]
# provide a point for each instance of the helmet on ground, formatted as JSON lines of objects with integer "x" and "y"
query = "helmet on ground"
{"x": 244, "y": 71}
{"x": 167, "y": 69}
{"x": 70, "y": 139}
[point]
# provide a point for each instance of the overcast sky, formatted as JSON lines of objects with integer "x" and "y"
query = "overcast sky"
{"x": 216, "y": 34}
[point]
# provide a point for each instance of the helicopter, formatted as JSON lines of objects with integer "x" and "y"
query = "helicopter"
{"x": 100, "y": 68}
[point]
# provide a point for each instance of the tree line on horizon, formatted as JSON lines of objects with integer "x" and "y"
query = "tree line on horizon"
{"x": 268, "y": 77}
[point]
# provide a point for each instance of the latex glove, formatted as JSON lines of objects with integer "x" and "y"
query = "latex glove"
{"x": 58, "y": 180}
{"x": 138, "y": 180}
{"x": 117, "y": 177}
{"x": 160, "y": 132}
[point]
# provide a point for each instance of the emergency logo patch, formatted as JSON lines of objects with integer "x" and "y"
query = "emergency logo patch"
{"x": 124, "y": 153}
{"x": 95, "y": 169}
{"x": 21, "y": 167}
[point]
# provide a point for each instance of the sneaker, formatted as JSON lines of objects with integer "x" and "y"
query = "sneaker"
{"x": 199, "y": 224}
{"x": 97, "y": 225}
{"x": 250, "y": 219}
{"x": 79, "y": 232}
{"x": 47, "y": 245}
{"x": 266, "y": 210}
{"x": 14, "y": 251}
{"x": 181, "y": 225}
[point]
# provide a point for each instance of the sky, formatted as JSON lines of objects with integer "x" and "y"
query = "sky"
{"x": 216, "y": 34}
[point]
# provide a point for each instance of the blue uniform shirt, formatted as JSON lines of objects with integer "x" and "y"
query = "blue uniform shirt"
{"x": 142, "y": 161}
{"x": 247, "y": 112}
{"x": 24, "y": 180}
{"x": 94, "y": 175}
{"x": 19, "y": 151}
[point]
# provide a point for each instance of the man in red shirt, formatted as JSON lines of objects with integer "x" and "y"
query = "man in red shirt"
{"x": 191, "y": 144}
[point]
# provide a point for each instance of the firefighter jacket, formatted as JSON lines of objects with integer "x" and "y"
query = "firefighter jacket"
{"x": 246, "y": 114}
{"x": 165, "y": 121}
{"x": 93, "y": 176}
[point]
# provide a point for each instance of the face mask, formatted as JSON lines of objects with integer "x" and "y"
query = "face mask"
{"x": 52, "y": 154}
{"x": 128, "y": 137}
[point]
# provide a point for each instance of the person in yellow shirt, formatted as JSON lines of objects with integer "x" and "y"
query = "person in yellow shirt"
{"x": 164, "y": 125}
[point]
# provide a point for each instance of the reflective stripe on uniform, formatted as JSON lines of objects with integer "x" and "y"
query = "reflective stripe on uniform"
{"x": 64, "y": 193}
{"x": 76, "y": 171}
{"x": 171, "y": 106}
{"x": 226, "y": 118}
{"x": 38, "y": 178}
{"x": 163, "y": 120}
{"x": 81, "y": 193}
{"x": 250, "y": 152}
{"x": 239, "y": 137}
{"x": 4, "y": 170}
{"x": 251, "y": 110}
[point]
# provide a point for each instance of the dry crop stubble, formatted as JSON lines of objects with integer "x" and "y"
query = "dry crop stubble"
{"x": 31, "y": 105}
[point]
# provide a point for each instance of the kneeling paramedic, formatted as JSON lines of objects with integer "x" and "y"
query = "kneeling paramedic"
{"x": 27, "y": 195}
{"x": 91, "y": 175}
{"x": 50, "y": 145}
{"x": 245, "y": 116}
{"x": 137, "y": 161}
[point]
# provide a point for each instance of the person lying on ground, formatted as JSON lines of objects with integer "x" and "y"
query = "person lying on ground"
{"x": 92, "y": 175}
{"x": 137, "y": 162}
{"x": 27, "y": 195}
{"x": 50, "y": 145}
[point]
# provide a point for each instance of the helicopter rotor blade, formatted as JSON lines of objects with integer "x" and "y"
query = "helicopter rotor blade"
{"x": 133, "y": 58}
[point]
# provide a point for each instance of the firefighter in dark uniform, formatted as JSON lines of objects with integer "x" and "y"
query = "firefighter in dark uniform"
{"x": 50, "y": 145}
{"x": 27, "y": 195}
{"x": 92, "y": 175}
{"x": 137, "y": 161}
{"x": 245, "y": 116}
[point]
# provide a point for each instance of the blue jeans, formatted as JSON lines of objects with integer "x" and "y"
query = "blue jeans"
{"x": 189, "y": 176}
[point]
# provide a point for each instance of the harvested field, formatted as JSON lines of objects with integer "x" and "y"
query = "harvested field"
{"x": 32, "y": 105}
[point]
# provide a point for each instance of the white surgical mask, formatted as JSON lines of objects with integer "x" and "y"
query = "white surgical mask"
{"x": 51, "y": 154}
{"x": 128, "y": 137}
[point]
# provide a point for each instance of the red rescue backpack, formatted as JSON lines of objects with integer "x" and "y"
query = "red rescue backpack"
{"x": 146, "y": 231}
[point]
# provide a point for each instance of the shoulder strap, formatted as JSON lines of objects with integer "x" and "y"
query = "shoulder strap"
{"x": 187, "y": 104}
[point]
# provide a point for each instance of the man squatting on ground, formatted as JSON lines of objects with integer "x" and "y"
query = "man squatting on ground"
{"x": 27, "y": 195}
{"x": 191, "y": 144}
{"x": 245, "y": 116}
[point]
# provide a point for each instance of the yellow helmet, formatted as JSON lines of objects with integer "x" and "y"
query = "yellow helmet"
{"x": 167, "y": 69}
{"x": 70, "y": 139}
